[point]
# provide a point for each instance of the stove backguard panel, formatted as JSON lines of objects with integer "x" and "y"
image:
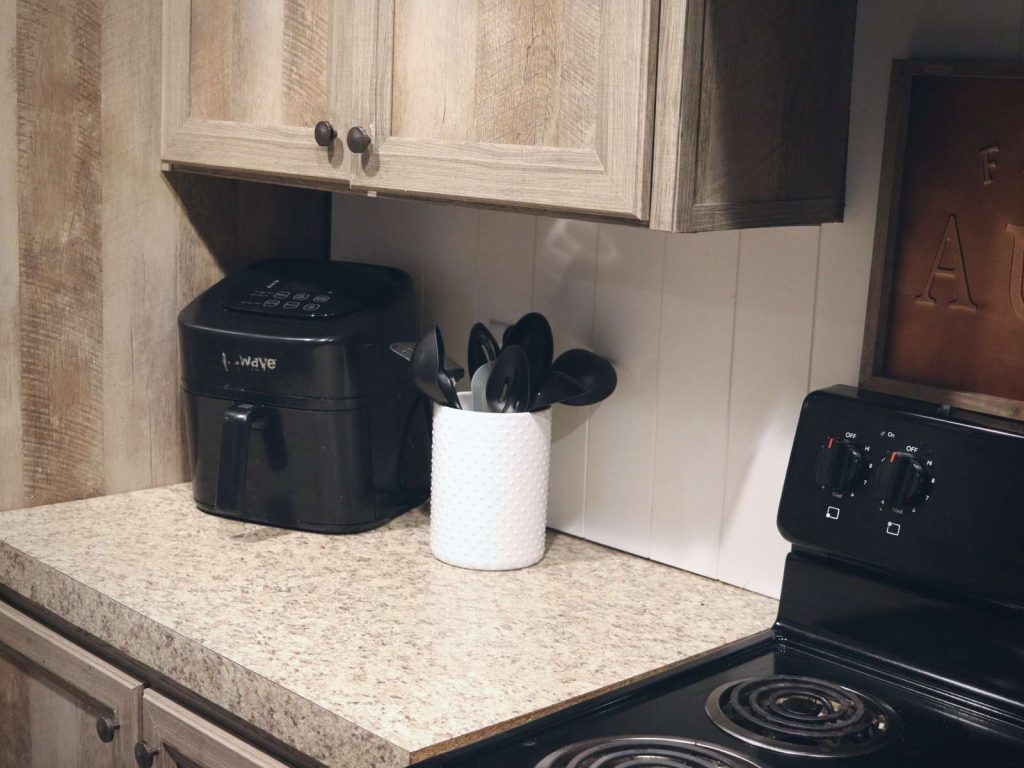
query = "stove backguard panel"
{"x": 900, "y": 487}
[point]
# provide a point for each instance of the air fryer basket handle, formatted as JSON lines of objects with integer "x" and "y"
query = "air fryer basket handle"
{"x": 239, "y": 420}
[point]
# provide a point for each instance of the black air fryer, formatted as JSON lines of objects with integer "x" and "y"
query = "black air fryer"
{"x": 297, "y": 412}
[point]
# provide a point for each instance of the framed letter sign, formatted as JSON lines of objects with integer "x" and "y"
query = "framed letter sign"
{"x": 945, "y": 318}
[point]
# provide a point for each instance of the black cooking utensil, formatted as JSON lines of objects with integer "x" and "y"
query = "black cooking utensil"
{"x": 508, "y": 386}
{"x": 483, "y": 348}
{"x": 428, "y": 370}
{"x": 447, "y": 386}
{"x": 532, "y": 332}
{"x": 557, "y": 388}
{"x": 404, "y": 350}
{"x": 445, "y": 378}
{"x": 453, "y": 369}
{"x": 426, "y": 360}
{"x": 594, "y": 374}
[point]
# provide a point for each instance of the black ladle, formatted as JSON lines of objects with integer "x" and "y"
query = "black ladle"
{"x": 508, "y": 386}
{"x": 428, "y": 370}
{"x": 594, "y": 374}
{"x": 483, "y": 348}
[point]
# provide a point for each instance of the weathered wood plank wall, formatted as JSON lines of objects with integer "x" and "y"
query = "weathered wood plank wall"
{"x": 99, "y": 250}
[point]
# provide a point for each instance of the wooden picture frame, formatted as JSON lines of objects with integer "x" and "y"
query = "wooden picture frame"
{"x": 961, "y": 340}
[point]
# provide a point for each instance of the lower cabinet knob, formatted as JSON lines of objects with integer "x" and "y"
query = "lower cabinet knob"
{"x": 145, "y": 755}
{"x": 105, "y": 729}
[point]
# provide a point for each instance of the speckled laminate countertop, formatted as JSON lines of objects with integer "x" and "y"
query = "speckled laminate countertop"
{"x": 360, "y": 650}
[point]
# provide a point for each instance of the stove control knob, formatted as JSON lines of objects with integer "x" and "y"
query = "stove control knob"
{"x": 902, "y": 480}
{"x": 840, "y": 465}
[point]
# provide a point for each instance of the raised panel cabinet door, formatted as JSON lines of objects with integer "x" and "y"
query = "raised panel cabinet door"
{"x": 246, "y": 83}
{"x": 174, "y": 737}
{"x": 541, "y": 103}
{"x": 60, "y": 705}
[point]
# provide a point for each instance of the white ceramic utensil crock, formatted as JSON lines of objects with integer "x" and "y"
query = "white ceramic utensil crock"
{"x": 489, "y": 487}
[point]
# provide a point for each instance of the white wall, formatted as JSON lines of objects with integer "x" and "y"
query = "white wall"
{"x": 716, "y": 337}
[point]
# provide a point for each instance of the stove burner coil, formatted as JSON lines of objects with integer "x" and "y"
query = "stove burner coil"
{"x": 801, "y": 716}
{"x": 645, "y": 751}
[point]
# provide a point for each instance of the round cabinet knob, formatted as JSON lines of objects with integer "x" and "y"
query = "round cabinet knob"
{"x": 324, "y": 133}
{"x": 840, "y": 465}
{"x": 902, "y": 480}
{"x": 145, "y": 755}
{"x": 358, "y": 140}
{"x": 106, "y": 728}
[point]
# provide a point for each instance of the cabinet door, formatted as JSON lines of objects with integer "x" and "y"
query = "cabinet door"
{"x": 546, "y": 103}
{"x": 761, "y": 113}
{"x": 56, "y": 699}
{"x": 246, "y": 81}
{"x": 174, "y": 737}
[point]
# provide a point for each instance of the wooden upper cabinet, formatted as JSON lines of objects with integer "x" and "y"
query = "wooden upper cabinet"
{"x": 59, "y": 705}
{"x": 246, "y": 82}
{"x": 540, "y": 104}
{"x": 544, "y": 103}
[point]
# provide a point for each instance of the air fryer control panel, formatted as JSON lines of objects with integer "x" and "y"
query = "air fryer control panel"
{"x": 288, "y": 301}
{"x": 291, "y": 298}
{"x": 300, "y": 292}
{"x": 901, "y": 486}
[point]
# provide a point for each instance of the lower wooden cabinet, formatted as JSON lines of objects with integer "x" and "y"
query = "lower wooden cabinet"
{"x": 62, "y": 707}
{"x": 59, "y": 705}
{"x": 174, "y": 737}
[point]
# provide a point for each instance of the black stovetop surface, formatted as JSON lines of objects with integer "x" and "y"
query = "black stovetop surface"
{"x": 934, "y": 731}
{"x": 921, "y": 610}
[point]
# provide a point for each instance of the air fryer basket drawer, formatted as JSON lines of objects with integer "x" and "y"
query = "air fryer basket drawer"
{"x": 301, "y": 468}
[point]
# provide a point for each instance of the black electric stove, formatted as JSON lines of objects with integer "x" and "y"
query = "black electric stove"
{"x": 900, "y": 635}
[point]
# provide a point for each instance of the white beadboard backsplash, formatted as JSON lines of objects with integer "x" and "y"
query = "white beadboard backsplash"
{"x": 716, "y": 337}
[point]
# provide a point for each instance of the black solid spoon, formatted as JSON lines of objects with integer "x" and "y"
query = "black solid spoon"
{"x": 508, "y": 386}
{"x": 594, "y": 374}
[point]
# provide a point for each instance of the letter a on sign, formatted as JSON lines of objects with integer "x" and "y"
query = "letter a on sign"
{"x": 1017, "y": 270}
{"x": 955, "y": 271}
